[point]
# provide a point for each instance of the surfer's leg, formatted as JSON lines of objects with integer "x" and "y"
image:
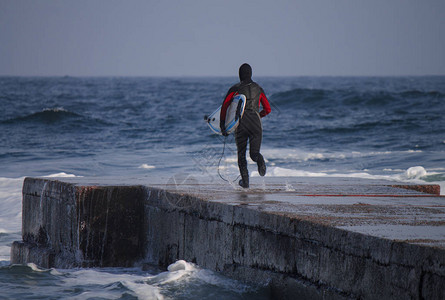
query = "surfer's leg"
{"x": 254, "y": 148}
{"x": 241, "y": 145}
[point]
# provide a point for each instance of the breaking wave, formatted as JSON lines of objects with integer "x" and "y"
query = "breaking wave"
{"x": 53, "y": 116}
{"x": 47, "y": 115}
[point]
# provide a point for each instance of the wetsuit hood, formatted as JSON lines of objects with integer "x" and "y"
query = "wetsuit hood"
{"x": 245, "y": 72}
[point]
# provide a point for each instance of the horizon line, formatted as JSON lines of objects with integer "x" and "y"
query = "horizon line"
{"x": 216, "y": 76}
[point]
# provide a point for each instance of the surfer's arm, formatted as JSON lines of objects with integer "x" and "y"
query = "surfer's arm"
{"x": 266, "y": 106}
{"x": 224, "y": 106}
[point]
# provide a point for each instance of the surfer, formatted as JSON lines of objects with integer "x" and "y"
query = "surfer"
{"x": 249, "y": 127}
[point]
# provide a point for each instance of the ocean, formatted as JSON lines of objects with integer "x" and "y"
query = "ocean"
{"x": 385, "y": 128}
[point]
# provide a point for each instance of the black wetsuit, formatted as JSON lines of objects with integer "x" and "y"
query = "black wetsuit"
{"x": 250, "y": 127}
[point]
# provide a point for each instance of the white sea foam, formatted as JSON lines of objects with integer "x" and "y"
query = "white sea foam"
{"x": 55, "y": 272}
{"x": 175, "y": 272}
{"x": 393, "y": 170}
{"x": 231, "y": 159}
{"x": 146, "y": 166}
{"x": 297, "y": 155}
{"x": 180, "y": 265}
{"x": 135, "y": 283}
{"x": 11, "y": 210}
{"x": 104, "y": 283}
{"x": 437, "y": 169}
{"x": 61, "y": 174}
{"x": 36, "y": 268}
{"x": 284, "y": 156}
{"x": 289, "y": 187}
{"x": 143, "y": 290}
{"x": 10, "y": 204}
{"x": 182, "y": 270}
{"x": 415, "y": 172}
{"x": 411, "y": 175}
{"x": 4, "y": 254}
{"x": 55, "y": 109}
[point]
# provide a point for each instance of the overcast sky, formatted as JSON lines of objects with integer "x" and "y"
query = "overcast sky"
{"x": 212, "y": 38}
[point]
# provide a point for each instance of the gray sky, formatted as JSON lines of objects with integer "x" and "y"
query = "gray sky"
{"x": 212, "y": 38}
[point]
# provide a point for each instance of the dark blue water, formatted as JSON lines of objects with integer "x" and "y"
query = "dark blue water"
{"x": 373, "y": 127}
{"x": 70, "y": 121}
{"x": 97, "y": 126}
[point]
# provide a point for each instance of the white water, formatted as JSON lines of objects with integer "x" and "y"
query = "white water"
{"x": 11, "y": 212}
{"x": 181, "y": 279}
{"x": 298, "y": 163}
{"x": 10, "y": 204}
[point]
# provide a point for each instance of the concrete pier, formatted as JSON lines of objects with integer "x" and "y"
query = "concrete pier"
{"x": 306, "y": 238}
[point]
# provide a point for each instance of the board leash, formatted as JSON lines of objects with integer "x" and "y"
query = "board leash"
{"x": 219, "y": 162}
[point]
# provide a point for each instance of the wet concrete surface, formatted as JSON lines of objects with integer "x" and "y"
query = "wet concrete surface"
{"x": 376, "y": 208}
{"x": 379, "y": 208}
